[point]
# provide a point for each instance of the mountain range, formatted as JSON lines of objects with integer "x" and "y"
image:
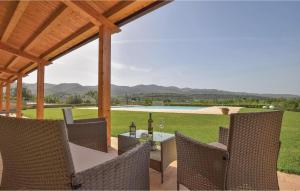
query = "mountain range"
{"x": 75, "y": 88}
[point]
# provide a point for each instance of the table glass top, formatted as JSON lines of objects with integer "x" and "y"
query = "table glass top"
{"x": 157, "y": 136}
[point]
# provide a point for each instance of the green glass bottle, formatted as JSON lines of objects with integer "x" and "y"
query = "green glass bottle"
{"x": 150, "y": 127}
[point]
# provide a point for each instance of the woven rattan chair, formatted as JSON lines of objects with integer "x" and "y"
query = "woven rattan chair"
{"x": 89, "y": 133}
{"x": 248, "y": 162}
{"x": 36, "y": 154}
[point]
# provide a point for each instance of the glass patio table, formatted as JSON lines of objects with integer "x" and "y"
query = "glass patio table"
{"x": 160, "y": 157}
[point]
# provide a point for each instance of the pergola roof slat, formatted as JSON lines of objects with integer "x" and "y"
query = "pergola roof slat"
{"x": 76, "y": 37}
{"x": 8, "y": 71}
{"x": 90, "y": 13}
{"x": 20, "y": 53}
{"x": 79, "y": 35}
{"x": 4, "y": 80}
{"x": 121, "y": 5}
{"x": 51, "y": 22}
{"x": 49, "y": 30}
{"x": 14, "y": 20}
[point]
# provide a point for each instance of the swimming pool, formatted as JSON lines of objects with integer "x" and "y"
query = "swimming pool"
{"x": 140, "y": 107}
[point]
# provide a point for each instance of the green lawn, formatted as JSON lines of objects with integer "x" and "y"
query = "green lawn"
{"x": 200, "y": 127}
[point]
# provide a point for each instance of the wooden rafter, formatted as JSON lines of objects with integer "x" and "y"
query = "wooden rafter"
{"x": 70, "y": 40}
{"x": 4, "y": 80}
{"x": 119, "y": 6}
{"x": 93, "y": 16}
{"x": 21, "y": 7}
{"x": 78, "y": 36}
{"x": 46, "y": 27}
{"x": 20, "y": 53}
{"x": 8, "y": 71}
{"x": 24, "y": 69}
{"x": 14, "y": 61}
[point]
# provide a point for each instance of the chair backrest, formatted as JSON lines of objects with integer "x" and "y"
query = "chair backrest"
{"x": 68, "y": 116}
{"x": 253, "y": 147}
{"x": 35, "y": 154}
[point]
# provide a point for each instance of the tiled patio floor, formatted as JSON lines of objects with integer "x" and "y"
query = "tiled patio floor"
{"x": 286, "y": 181}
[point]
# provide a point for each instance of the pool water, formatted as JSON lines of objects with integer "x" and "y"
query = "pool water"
{"x": 160, "y": 107}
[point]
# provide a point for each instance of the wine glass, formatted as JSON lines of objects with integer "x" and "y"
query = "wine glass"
{"x": 161, "y": 125}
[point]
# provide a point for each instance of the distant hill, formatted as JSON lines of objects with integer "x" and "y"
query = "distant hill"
{"x": 146, "y": 90}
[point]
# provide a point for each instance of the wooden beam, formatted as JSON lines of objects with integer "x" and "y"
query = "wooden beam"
{"x": 119, "y": 6}
{"x": 20, "y": 53}
{"x": 104, "y": 77}
{"x": 83, "y": 33}
{"x": 24, "y": 69}
{"x": 8, "y": 71}
{"x": 40, "y": 91}
{"x": 13, "y": 61}
{"x": 44, "y": 29}
{"x": 78, "y": 36}
{"x": 19, "y": 97}
{"x": 21, "y": 7}
{"x": 96, "y": 18}
{"x": 49, "y": 25}
{"x": 4, "y": 80}
{"x": 1, "y": 97}
{"x": 7, "y": 98}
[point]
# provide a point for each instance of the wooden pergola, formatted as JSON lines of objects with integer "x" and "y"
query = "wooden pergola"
{"x": 35, "y": 33}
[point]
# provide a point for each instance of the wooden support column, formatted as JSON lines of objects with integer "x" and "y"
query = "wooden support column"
{"x": 1, "y": 97}
{"x": 7, "y": 97}
{"x": 19, "y": 97}
{"x": 104, "y": 76}
{"x": 40, "y": 91}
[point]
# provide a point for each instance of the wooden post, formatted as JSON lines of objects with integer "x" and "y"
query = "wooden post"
{"x": 1, "y": 97}
{"x": 40, "y": 91}
{"x": 104, "y": 76}
{"x": 7, "y": 97}
{"x": 19, "y": 97}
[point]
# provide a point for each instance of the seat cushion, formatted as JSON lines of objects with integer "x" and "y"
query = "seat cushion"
{"x": 85, "y": 158}
{"x": 218, "y": 145}
{"x": 155, "y": 155}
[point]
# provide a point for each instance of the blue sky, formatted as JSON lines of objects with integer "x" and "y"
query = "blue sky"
{"x": 238, "y": 46}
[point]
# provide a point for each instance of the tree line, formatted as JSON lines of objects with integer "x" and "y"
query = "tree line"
{"x": 91, "y": 97}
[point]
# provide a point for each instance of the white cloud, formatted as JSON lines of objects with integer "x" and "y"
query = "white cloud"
{"x": 117, "y": 66}
{"x": 136, "y": 69}
{"x": 120, "y": 66}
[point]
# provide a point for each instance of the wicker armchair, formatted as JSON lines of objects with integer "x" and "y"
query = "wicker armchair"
{"x": 36, "y": 154}
{"x": 89, "y": 133}
{"x": 248, "y": 162}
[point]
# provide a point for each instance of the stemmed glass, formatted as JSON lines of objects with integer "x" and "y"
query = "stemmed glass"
{"x": 161, "y": 125}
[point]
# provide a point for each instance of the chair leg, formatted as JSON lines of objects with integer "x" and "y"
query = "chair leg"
{"x": 178, "y": 186}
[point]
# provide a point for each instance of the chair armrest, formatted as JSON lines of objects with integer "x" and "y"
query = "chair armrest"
{"x": 89, "y": 120}
{"x": 168, "y": 152}
{"x": 92, "y": 135}
{"x": 223, "y": 135}
{"x": 200, "y": 166}
{"x": 129, "y": 171}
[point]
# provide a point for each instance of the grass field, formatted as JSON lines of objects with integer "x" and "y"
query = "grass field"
{"x": 200, "y": 127}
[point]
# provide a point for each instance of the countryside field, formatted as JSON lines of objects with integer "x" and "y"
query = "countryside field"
{"x": 201, "y": 127}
